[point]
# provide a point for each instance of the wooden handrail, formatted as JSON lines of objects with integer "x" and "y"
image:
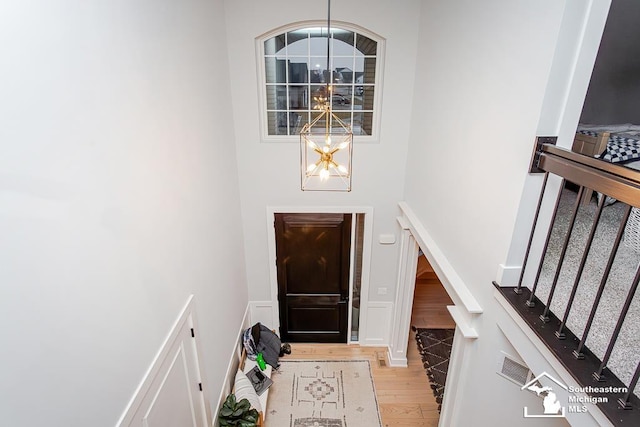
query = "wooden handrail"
{"x": 611, "y": 179}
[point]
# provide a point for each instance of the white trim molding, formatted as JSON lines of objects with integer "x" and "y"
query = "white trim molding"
{"x": 400, "y": 326}
{"x": 462, "y": 323}
{"x": 450, "y": 279}
{"x": 414, "y": 236}
{"x": 171, "y": 345}
{"x": 377, "y": 330}
{"x": 465, "y": 313}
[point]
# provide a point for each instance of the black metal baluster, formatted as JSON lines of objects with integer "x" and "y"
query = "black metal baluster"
{"x": 518, "y": 289}
{"x": 596, "y": 219}
{"x": 624, "y": 401}
{"x": 545, "y": 314}
{"x": 530, "y": 302}
{"x": 605, "y": 276}
{"x": 614, "y": 337}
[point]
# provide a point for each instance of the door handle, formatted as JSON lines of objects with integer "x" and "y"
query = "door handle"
{"x": 344, "y": 300}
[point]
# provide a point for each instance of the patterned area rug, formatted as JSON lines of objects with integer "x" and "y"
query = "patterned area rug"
{"x": 434, "y": 346}
{"x": 322, "y": 393}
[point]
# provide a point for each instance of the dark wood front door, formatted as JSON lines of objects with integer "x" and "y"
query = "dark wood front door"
{"x": 313, "y": 253}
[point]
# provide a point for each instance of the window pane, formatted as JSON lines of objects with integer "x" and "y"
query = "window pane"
{"x": 357, "y": 277}
{"x": 341, "y": 98}
{"x": 318, "y": 67}
{"x": 341, "y": 48}
{"x": 317, "y": 97}
{"x": 345, "y": 117}
{"x": 342, "y": 72}
{"x": 297, "y": 121}
{"x": 363, "y": 99}
{"x": 369, "y": 75}
{"x": 318, "y": 45}
{"x": 319, "y": 125}
{"x": 299, "y": 47}
{"x": 318, "y": 32}
{"x": 277, "y": 123}
{"x": 342, "y": 37}
{"x": 362, "y": 123}
{"x": 293, "y": 37}
{"x": 367, "y": 124}
{"x": 299, "y": 97}
{"x": 367, "y": 98}
{"x": 345, "y": 90}
{"x": 274, "y": 70}
{"x": 276, "y": 97}
{"x": 366, "y": 45}
{"x": 298, "y": 70}
{"x": 274, "y": 45}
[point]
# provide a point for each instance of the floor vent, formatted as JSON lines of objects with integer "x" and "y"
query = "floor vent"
{"x": 514, "y": 370}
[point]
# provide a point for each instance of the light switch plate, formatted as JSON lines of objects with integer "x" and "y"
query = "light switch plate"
{"x": 387, "y": 239}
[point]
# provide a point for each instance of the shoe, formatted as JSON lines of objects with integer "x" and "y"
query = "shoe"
{"x": 286, "y": 348}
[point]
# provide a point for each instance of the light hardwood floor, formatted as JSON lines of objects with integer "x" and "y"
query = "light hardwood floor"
{"x": 430, "y": 301}
{"x": 404, "y": 395}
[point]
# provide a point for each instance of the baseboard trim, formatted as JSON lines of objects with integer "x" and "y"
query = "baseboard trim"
{"x": 396, "y": 362}
{"x": 232, "y": 367}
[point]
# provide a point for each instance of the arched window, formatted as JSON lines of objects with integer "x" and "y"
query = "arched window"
{"x": 294, "y": 70}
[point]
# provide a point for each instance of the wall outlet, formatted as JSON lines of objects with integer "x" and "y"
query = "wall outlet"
{"x": 382, "y": 291}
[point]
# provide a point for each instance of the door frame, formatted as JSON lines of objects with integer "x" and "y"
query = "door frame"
{"x": 366, "y": 259}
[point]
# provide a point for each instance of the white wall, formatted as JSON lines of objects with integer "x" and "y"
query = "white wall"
{"x": 482, "y": 73}
{"x": 118, "y": 199}
{"x": 483, "y": 68}
{"x": 269, "y": 172}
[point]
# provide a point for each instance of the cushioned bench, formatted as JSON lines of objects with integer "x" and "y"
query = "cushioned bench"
{"x": 246, "y": 365}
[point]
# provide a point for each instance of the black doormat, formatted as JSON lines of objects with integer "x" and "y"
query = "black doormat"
{"x": 434, "y": 346}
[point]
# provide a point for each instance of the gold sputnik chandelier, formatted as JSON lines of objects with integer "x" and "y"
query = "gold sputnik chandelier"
{"x": 326, "y": 143}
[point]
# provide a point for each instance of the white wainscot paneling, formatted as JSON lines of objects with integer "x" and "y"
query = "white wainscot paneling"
{"x": 262, "y": 311}
{"x": 377, "y": 329}
{"x": 170, "y": 394}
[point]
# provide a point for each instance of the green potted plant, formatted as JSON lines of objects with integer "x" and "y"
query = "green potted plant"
{"x": 237, "y": 413}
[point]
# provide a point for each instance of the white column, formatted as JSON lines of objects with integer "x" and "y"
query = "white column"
{"x": 404, "y": 297}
